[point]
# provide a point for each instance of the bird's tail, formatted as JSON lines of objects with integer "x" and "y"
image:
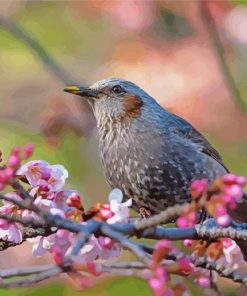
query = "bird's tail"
{"x": 239, "y": 215}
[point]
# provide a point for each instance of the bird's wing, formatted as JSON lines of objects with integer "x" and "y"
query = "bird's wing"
{"x": 185, "y": 130}
{"x": 194, "y": 136}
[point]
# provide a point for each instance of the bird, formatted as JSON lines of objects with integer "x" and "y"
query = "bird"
{"x": 146, "y": 151}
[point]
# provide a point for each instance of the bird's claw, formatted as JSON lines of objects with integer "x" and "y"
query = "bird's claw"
{"x": 144, "y": 213}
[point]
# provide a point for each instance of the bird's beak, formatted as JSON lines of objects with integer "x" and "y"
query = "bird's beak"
{"x": 81, "y": 91}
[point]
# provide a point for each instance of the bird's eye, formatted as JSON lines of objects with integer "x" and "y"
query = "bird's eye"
{"x": 117, "y": 89}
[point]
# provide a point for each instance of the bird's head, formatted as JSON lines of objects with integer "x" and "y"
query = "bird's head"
{"x": 114, "y": 98}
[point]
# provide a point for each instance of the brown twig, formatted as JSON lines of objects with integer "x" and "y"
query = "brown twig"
{"x": 33, "y": 278}
{"x": 214, "y": 36}
{"x": 20, "y": 33}
{"x": 161, "y": 218}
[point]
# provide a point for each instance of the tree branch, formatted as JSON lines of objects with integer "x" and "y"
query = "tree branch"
{"x": 220, "y": 54}
{"x": 20, "y": 33}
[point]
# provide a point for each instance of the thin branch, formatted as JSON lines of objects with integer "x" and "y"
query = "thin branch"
{"x": 23, "y": 35}
{"x": 136, "y": 248}
{"x": 215, "y": 232}
{"x": 83, "y": 238}
{"x": 220, "y": 54}
{"x": 20, "y": 33}
{"x": 201, "y": 262}
{"x": 33, "y": 279}
{"x": 23, "y": 221}
{"x": 24, "y": 271}
{"x": 161, "y": 218}
{"x": 27, "y": 232}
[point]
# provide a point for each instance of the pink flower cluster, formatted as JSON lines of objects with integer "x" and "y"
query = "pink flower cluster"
{"x": 224, "y": 251}
{"x": 231, "y": 192}
{"x": 68, "y": 204}
{"x": 16, "y": 156}
{"x": 160, "y": 273}
{"x": 223, "y": 195}
{"x": 46, "y": 185}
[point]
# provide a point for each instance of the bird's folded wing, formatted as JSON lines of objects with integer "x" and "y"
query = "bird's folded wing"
{"x": 186, "y": 131}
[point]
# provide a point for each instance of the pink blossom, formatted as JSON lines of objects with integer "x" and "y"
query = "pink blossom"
{"x": 235, "y": 191}
{"x": 186, "y": 221}
{"x": 120, "y": 210}
{"x": 241, "y": 181}
{"x": 41, "y": 173}
{"x": 224, "y": 220}
{"x": 6, "y": 175}
{"x": 157, "y": 281}
{"x": 220, "y": 210}
{"x": 188, "y": 243}
{"x": 61, "y": 198}
{"x": 85, "y": 281}
{"x": 156, "y": 285}
{"x": 102, "y": 248}
{"x": 34, "y": 171}
{"x": 61, "y": 240}
{"x": 105, "y": 212}
{"x": 181, "y": 222}
{"x": 44, "y": 203}
{"x": 163, "y": 244}
{"x": 59, "y": 212}
{"x": 203, "y": 281}
{"x": 203, "y": 276}
{"x": 57, "y": 255}
{"x": 9, "y": 173}
{"x": 14, "y": 161}
{"x": 187, "y": 218}
{"x": 9, "y": 231}
{"x": 74, "y": 200}
{"x": 89, "y": 252}
{"x": 93, "y": 268}
{"x": 198, "y": 187}
{"x": 185, "y": 265}
{"x": 109, "y": 248}
{"x": 8, "y": 206}
{"x": 58, "y": 176}
{"x": 105, "y": 242}
{"x": 230, "y": 179}
{"x": 233, "y": 255}
{"x": 29, "y": 214}
{"x": 37, "y": 249}
{"x": 28, "y": 150}
{"x": 14, "y": 158}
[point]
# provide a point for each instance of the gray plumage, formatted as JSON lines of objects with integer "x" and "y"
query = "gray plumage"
{"x": 149, "y": 153}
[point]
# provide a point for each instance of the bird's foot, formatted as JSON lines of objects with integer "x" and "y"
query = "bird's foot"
{"x": 144, "y": 213}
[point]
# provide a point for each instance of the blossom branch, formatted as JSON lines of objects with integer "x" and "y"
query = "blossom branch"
{"x": 20, "y": 33}
{"x": 162, "y": 218}
{"x": 136, "y": 249}
{"x": 33, "y": 279}
{"x": 132, "y": 266}
{"x": 24, "y": 271}
{"x": 76, "y": 238}
{"x": 27, "y": 232}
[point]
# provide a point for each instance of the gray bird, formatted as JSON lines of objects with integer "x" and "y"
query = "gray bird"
{"x": 149, "y": 153}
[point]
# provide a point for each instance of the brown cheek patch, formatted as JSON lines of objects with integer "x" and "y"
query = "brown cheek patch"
{"x": 132, "y": 105}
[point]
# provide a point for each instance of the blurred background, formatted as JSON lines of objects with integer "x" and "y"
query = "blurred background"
{"x": 190, "y": 55}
